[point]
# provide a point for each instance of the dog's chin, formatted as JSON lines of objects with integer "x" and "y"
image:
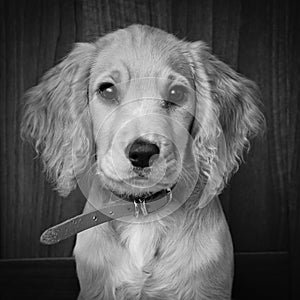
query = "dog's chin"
{"x": 127, "y": 192}
{"x": 132, "y": 193}
{"x": 134, "y": 187}
{"x": 132, "y": 196}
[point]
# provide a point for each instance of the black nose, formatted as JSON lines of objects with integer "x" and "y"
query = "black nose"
{"x": 140, "y": 153}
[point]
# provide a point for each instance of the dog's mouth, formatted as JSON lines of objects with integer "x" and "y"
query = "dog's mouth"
{"x": 144, "y": 197}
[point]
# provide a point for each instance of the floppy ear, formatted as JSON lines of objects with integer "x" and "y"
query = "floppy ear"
{"x": 235, "y": 105}
{"x": 56, "y": 119}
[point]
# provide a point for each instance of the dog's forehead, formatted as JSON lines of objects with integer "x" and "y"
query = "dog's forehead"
{"x": 142, "y": 52}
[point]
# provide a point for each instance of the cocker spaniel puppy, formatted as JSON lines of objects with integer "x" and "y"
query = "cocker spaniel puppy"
{"x": 143, "y": 116}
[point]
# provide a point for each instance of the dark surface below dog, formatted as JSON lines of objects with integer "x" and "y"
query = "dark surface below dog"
{"x": 257, "y": 276}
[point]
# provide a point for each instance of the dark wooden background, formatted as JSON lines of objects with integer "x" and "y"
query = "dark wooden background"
{"x": 258, "y": 38}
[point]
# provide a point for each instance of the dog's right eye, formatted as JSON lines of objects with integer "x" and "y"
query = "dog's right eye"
{"x": 108, "y": 91}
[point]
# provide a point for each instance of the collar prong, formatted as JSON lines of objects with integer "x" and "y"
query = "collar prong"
{"x": 136, "y": 209}
{"x": 143, "y": 207}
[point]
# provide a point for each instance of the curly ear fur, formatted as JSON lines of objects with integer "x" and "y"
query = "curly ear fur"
{"x": 238, "y": 100}
{"x": 235, "y": 114}
{"x": 55, "y": 118}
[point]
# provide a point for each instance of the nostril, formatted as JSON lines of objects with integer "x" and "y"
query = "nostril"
{"x": 141, "y": 153}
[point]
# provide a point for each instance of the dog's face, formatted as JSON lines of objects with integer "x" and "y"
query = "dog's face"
{"x": 142, "y": 105}
{"x": 155, "y": 109}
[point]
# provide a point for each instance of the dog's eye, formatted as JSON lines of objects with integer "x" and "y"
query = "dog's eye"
{"x": 108, "y": 91}
{"x": 176, "y": 94}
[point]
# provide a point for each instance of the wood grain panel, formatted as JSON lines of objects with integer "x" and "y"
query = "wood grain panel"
{"x": 293, "y": 123}
{"x": 225, "y": 45}
{"x": 36, "y": 34}
{"x": 193, "y": 20}
{"x": 226, "y": 26}
{"x": 103, "y": 16}
{"x": 56, "y": 278}
{"x": 259, "y": 191}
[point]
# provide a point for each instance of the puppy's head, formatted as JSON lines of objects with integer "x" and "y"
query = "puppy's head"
{"x": 152, "y": 109}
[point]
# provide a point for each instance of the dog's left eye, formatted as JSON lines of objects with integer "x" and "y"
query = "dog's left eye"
{"x": 108, "y": 91}
{"x": 176, "y": 94}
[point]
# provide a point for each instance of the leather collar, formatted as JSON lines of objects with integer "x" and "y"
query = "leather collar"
{"x": 82, "y": 222}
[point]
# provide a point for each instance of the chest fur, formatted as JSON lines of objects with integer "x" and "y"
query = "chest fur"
{"x": 141, "y": 241}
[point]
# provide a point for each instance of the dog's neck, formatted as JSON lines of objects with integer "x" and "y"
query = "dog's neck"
{"x": 142, "y": 237}
{"x": 182, "y": 197}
